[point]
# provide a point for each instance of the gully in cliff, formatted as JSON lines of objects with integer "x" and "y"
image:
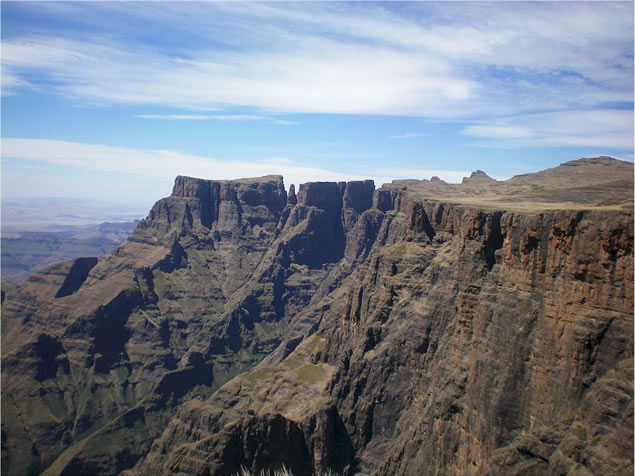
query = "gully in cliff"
{"x": 418, "y": 328}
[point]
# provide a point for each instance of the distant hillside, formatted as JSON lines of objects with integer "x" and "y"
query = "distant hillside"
{"x": 23, "y": 253}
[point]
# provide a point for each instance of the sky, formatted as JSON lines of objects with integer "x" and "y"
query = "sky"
{"x": 112, "y": 100}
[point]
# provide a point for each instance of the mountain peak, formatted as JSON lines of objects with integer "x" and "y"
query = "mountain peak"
{"x": 185, "y": 186}
{"x": 478, "y": 176}
{"x": 341, "y": 329}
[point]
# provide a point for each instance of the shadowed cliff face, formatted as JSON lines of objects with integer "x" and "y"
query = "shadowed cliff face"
{"x": 105, "y": 350}
{"x": 392, "y": 331}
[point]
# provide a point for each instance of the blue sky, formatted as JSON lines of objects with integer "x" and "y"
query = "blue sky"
{"x": 112, "y": 100}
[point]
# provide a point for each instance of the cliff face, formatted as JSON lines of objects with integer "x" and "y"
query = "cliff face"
{"x": 391, "y": 331}
{"x": 493, "y": 358}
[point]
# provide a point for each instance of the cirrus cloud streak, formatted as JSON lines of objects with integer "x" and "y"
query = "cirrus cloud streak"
{"x": 422, "y": 59}
{"x": 166, "y": 164}
{"x": 608, "y": 128}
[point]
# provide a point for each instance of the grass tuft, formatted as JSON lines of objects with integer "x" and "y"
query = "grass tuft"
{"x": 283, "y": 471}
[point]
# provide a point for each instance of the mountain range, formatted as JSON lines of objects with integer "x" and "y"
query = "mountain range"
{"x": 482, "y": 328}
{"x": 24, "y": 252}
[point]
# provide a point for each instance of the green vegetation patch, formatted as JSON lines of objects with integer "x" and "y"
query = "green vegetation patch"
{"x": 294, "y": 361}
{"x": 182, "y": 293}
{"x": 259, "y": 375}
{"x": 267, "y": 330}
{"x": 310, "y": 373}
{"x": 197, "y": 262}
{"x": 55, "y": 403}
{"x": 569, "y": 420}
{"x": 38, "y": 412}
{"x": 580, "y": 432}
{"x": 308, "y": 347}
{"x": 335, "y": 305}
{"x": 317, "y": 343}
{"x": 297, "y": 279}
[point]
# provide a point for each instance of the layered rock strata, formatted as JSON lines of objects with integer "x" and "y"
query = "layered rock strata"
{"x": 482, "y": 328}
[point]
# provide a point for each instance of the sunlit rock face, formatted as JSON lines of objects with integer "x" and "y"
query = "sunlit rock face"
{"x": 418, "y": 328}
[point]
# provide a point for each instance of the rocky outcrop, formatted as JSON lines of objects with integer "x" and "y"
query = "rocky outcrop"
{"x": 520, "y": 353}
{"x": 477, "y": 176}
{"x": 421, "y": 327}
{"x": 76, "y": 276}
{"x": 121, "y": 324}
{"x": 208, "y": 273}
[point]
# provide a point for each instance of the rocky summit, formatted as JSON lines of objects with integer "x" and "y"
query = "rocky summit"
{"x": 422, "y": 328}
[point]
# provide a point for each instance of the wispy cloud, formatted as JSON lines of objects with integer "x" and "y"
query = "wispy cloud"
{"x": 220, "y": 117}
{"x": 174, "y": 117}
{"x": 11, "y": 83}
{"x": 609, "y": 128}
{"x": 323, "y": 76}
{"x": 441, "y": 60}
{"x": 165, "y": 164}
{"x": 498, "y": 132}
{"x": 408, "y": 135}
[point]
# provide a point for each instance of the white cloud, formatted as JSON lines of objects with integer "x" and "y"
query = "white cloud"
{"x": 609, "y": 128}
{"x": 174, "y": 117}
{"x": 424, "y": 58}
{"x": 503, "y": 132}
{"x": 118, "y": 168}
{"x": 322, "y": 76}
{"x": 223, "y": 117}
{"x": 408, "y": 135}
{"x": 11, "y": 83}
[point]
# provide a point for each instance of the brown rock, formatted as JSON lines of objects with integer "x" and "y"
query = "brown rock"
{"x": 425, "y": 327}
